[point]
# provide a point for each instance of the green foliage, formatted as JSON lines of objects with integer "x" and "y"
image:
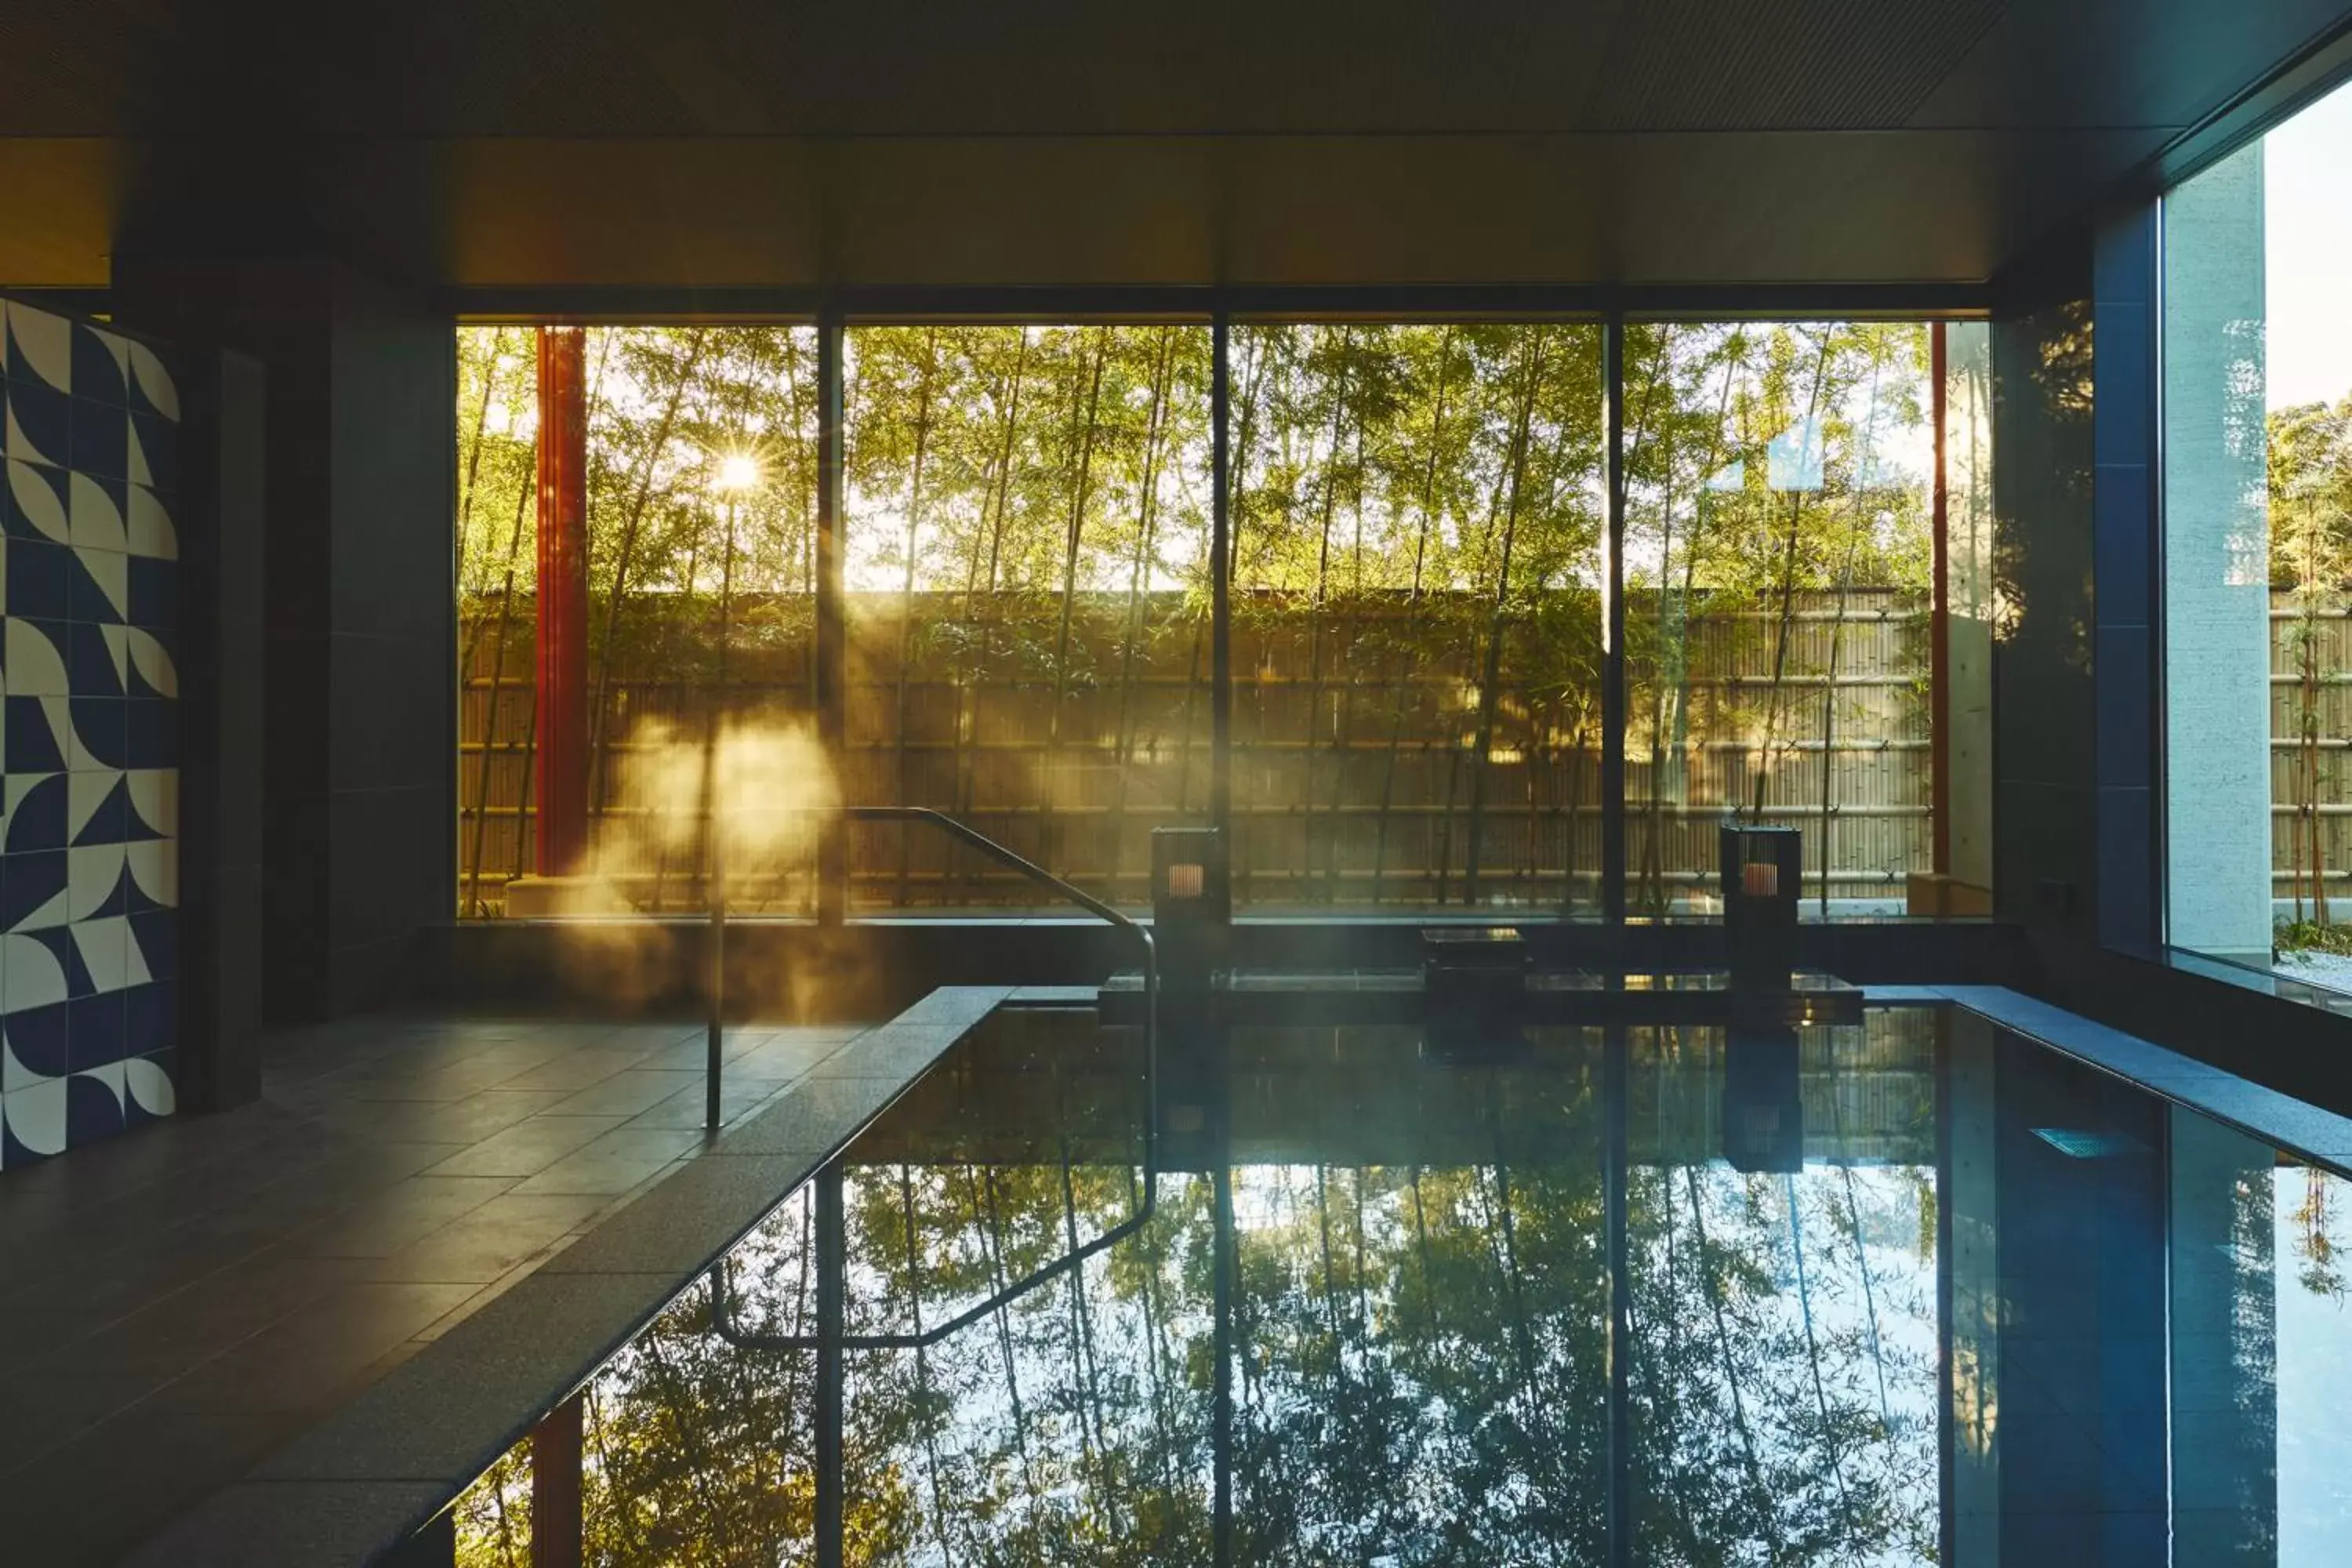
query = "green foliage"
{"x": 2310, "y": 477}
{"x": 1417, "y": 533}
{"x": 2311, "y": 936}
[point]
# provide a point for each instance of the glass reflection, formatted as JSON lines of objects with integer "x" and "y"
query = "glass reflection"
{"x": 1916, "y": 1291}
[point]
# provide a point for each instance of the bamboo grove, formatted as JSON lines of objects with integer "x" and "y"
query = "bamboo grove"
{"x": 1416, "y": 538}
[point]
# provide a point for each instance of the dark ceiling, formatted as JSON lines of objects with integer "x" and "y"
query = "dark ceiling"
{"x": 730, "y": 142}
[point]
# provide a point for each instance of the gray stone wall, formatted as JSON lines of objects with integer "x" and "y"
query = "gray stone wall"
{"x": 2216, "y": 563}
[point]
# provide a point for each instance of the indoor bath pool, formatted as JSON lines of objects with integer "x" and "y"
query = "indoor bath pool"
{"x": 1914, "y": 1291}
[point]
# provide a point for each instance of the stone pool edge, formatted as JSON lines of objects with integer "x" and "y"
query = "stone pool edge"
{"x": 2298, "y": 1127}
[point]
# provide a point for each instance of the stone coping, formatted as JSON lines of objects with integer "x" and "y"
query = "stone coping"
{"x": 2319, "y": 1137}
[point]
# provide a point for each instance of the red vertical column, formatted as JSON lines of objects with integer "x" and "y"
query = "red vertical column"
{"x": 557, "y": 1517}
{"x": 559, "y": 783}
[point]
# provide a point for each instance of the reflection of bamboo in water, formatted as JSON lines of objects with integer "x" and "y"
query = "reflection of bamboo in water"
{"x": 1812, "y": 1347}
{"x": 1862, "y": 1263}
{"x": 694, "y": 1434}
{"x": 1420, "y": 1251}
{"x": 992, "y": 1236}
{"x": 515, "y": 1460}
{"x": 1092, "y": 1441}
{"x": 1713, "y": 1284}
{"x": 1662, "y": 1389}
{"x": 922, "y": 1365}
{"x": 1155, "y": 1353}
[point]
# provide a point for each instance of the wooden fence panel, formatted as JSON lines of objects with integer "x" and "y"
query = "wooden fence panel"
{"x": 1357, "y": 781}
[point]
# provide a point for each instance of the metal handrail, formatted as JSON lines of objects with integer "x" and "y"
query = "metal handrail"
{"x": 721, "y": 1320}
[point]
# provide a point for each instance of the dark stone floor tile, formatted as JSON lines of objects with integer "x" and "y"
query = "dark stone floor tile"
{"x": 689, "y": 1056}
{"x": 484, "y": 1243}
{"x": 527, "y": 1147}
{"x": 466, "y": 1120}
{"x": 307, "y": 1363}
{"x": 400, "y": 1216}
{"x": 46, "y": 1409}
{"x": 92, "y": 1498}
{"x": 787, "y": 1058}
{"x": 578, "y": 1070}
{"x": 626, "y": 1094}
{"x": 615, "y": 1164}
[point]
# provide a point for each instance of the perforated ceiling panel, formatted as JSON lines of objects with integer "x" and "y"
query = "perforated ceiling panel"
{"x": 775, "y": 143}
{"x": 1782, "y": 65}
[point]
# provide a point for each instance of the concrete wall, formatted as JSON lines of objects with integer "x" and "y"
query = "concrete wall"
{"x": 357, "y": 608}
{"x": 2216, "y": 563}
{"x": 2123, "y": 550}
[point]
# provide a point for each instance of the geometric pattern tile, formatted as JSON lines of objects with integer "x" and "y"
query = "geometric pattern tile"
{"x": 88, "y": 733}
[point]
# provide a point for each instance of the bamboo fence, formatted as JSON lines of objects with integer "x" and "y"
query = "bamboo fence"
{"x": 1357, "y": 781}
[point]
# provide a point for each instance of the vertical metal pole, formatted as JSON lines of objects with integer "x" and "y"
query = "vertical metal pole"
{"x": 1614, "y": 1077}
{"x": 832, "y": 841}
{"x": 1221, "y": 1420}
{"x": 1946, "y": 1427}
{"x": 556, "y": 1524}
{"x": 562, "y": 763}
{"x": 831, "y": 1236}
{"x": 715, "y": 826}
{"x": 1939, "y": 634}
{"x": 1220, "y": 604}
{"x": 1612, "y": 627}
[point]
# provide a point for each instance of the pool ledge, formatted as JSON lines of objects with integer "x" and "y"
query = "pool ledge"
{"x": 354, "y": 1488}
{"x": 2304, "y": 1130}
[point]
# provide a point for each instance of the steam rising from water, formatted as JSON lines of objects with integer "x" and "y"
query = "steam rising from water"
{"x": 768, "y": 783}
{"x": 762, "y": 782}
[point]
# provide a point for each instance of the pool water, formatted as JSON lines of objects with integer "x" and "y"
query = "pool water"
{"x": 1914, "y": 1292}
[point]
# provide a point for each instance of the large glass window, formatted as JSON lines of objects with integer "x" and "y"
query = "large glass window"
{"x": 1418, "y": 522}
{"x": 1027, "y": 600}
{"x": 1417, "y": 573}
{"x": 2258, "y": 550}
{"x": 697, "y": 521}
{"x": 1778, "y": 559}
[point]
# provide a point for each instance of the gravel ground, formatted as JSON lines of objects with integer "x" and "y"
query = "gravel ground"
{"x": 2330, "y": 968}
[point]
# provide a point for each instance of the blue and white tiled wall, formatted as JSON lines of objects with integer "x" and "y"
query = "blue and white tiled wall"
{"x": 88, "y": 748}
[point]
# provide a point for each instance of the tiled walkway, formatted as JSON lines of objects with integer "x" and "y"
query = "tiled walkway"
{"x": 176, "y": 1304}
